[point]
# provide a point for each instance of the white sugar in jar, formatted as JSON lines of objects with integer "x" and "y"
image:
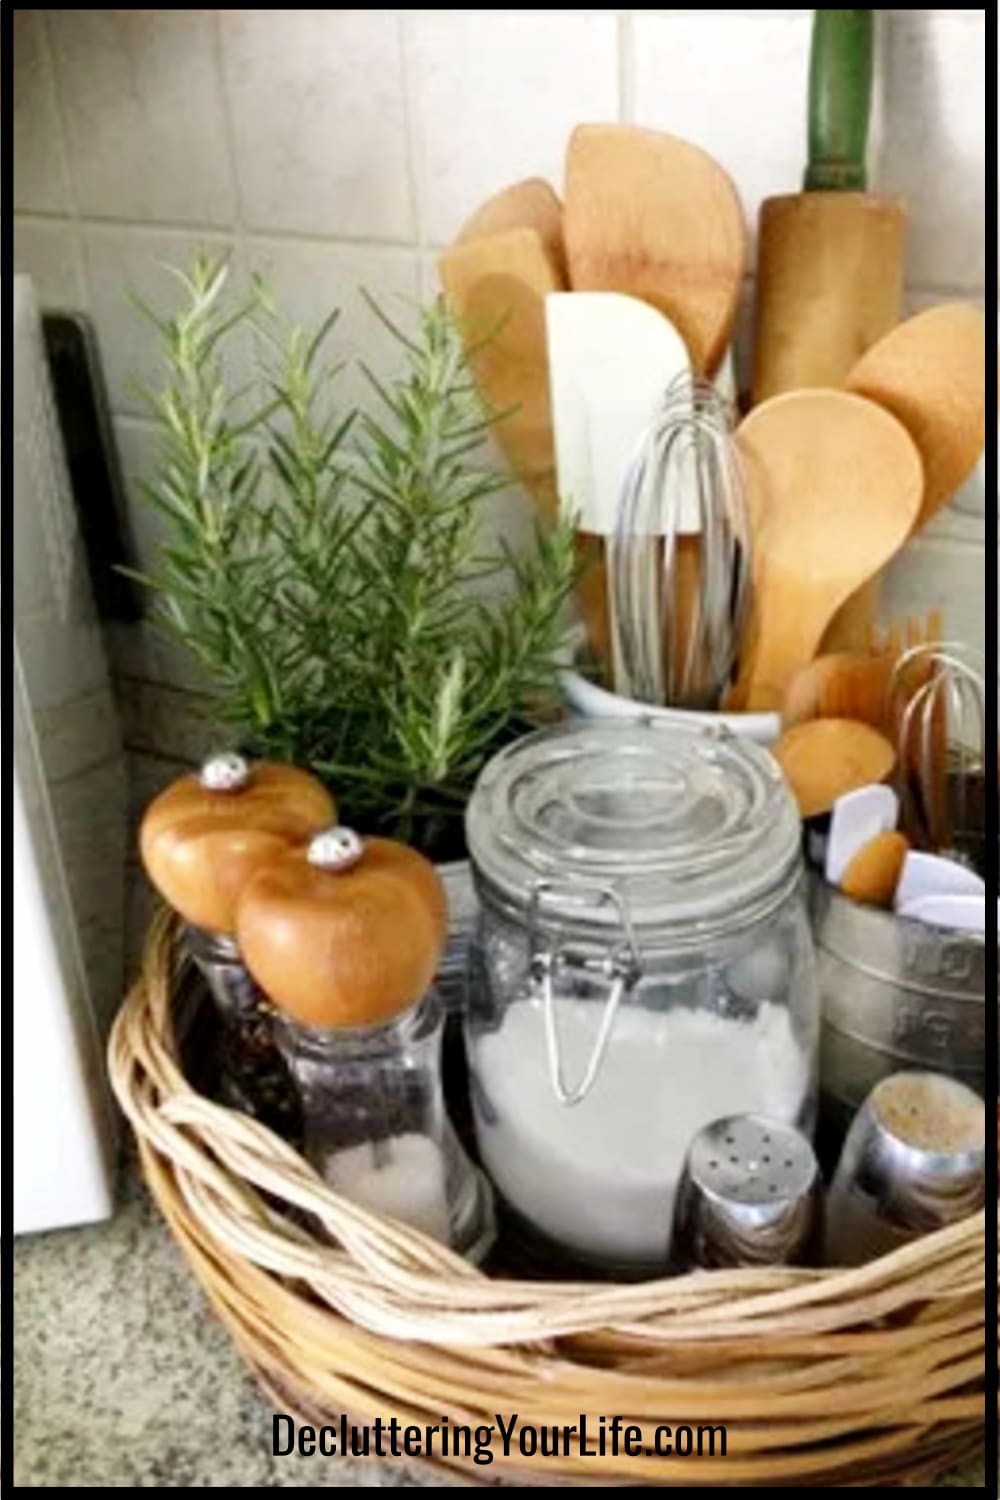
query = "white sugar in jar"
{"x": 601, "y": 1177}
{"x": 643, "y": 966}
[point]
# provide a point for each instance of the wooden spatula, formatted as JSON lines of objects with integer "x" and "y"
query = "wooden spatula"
{"x": 930, "y": 372}
{"x": 497, "y": 288}
{"x": 654, "y": 216}
{"x": 531, "y": 204}
{"x": 834, "y": 486}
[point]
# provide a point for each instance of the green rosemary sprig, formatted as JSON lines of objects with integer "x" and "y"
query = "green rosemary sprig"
{"x": 326, "y": 566}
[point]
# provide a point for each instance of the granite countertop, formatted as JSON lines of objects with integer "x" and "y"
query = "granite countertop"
{"x": 122, "y": 1377}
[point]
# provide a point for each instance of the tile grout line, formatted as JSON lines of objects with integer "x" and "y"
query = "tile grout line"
{"x": 216, "y": 231}
{"x": 421, "y": 244}
{"x": 414, "y": 139}
{"x": 237, "y": 228}
{"x": 72, "y": 217}
{"x": 625, "y": 42}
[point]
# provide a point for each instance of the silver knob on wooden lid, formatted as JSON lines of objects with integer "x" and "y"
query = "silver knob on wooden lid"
{"x": 227, "y": 772}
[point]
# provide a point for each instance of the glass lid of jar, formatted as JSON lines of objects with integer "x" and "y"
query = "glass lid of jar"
{"x": 685, "y": 823}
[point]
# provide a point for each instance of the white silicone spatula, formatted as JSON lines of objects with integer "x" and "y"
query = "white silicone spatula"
{"x": 611, "y": 359}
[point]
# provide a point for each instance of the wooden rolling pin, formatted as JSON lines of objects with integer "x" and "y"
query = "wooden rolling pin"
{"x": 830, "y": 267}
{"x": 830, "y": 270}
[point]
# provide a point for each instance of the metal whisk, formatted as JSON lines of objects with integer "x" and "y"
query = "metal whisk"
{"x": 679, "y": 561}
{"x": 938, "y": 708}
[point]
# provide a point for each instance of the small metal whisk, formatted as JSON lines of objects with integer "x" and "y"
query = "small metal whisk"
{"x": 938, "y": 710}
{"x": 679, "y": 561}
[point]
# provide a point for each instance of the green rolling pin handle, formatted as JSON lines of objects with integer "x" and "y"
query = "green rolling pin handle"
{"x": 840, "y": 93}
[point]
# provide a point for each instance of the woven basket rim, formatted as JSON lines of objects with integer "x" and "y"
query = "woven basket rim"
{"x": 220, "y": 1153}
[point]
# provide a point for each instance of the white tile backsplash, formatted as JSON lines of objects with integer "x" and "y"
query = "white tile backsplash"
{"x": 40, "y": 182}
{"x": 121, "y": 262}
{"x": 144, "y": 116}
{"x": 934, "y": 150}
{"x": 496, "y": 94}
{"x": 161, "y": 720}
{"x": 941, "y": 574}
{"x": 140, "y": 650}
{"x": 308, "y": 280}
{"x": 339, "y": 149}
{"x": 319, "y": 124}
{"x": 138, "y": 444}
{"x": 50, "y": 251}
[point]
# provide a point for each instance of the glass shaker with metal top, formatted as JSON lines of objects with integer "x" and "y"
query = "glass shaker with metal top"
{"x": 202, "y": 839}
{"x": 642, "y": 966}
{"x": 344, "y": 935}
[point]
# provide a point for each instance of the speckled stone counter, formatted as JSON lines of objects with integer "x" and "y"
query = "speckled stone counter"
{"x": 122, "y": 1377}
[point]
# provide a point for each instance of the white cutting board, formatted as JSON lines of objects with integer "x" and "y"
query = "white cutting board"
{"x": 66, "y": 884}
{"x": 611, "y": 358}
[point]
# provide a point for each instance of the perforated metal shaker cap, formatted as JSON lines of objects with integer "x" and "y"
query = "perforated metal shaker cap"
{"x": 688, "y": 824}
{"x": 749, "y": 1195}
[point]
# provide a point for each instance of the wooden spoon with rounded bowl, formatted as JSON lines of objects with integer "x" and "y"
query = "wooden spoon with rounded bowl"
{"x": 824, "y": 759}
{"x": 930, "y": 372}
{"x": 834, "y": 485}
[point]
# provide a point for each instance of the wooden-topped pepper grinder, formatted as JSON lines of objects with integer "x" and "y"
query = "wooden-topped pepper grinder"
{"x": 344, "y": 935}
{"x": 201, "y": 840}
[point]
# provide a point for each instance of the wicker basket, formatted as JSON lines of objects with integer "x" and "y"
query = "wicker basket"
{"x": 843, "y": 1377}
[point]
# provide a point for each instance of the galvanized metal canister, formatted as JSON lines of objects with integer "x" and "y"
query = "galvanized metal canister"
{"x": 895, "y": 995}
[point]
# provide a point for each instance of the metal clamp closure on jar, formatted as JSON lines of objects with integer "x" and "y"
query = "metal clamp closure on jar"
{"x": 620, "y": 965}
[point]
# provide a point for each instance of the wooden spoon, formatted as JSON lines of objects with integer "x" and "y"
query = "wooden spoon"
{"x": 834, "y": 485}
{"x": 930, "y": 372}
{"x": 531, "y": 204}
{"x": 497, "y": 288}
{"x": 652, "y": 215}
{"x": 873, "y": 874}
{"x": 826, "y": 758}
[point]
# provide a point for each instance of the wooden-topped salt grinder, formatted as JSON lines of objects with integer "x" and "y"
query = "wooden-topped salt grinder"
{"x": 344, "y": 935}
{"x": 201, "y": 840}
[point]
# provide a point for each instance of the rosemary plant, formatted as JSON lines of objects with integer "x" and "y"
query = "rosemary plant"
{"x": 326, "y": 567}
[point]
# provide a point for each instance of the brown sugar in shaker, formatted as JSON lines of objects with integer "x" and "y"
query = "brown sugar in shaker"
{"x": 201, "y": 840}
